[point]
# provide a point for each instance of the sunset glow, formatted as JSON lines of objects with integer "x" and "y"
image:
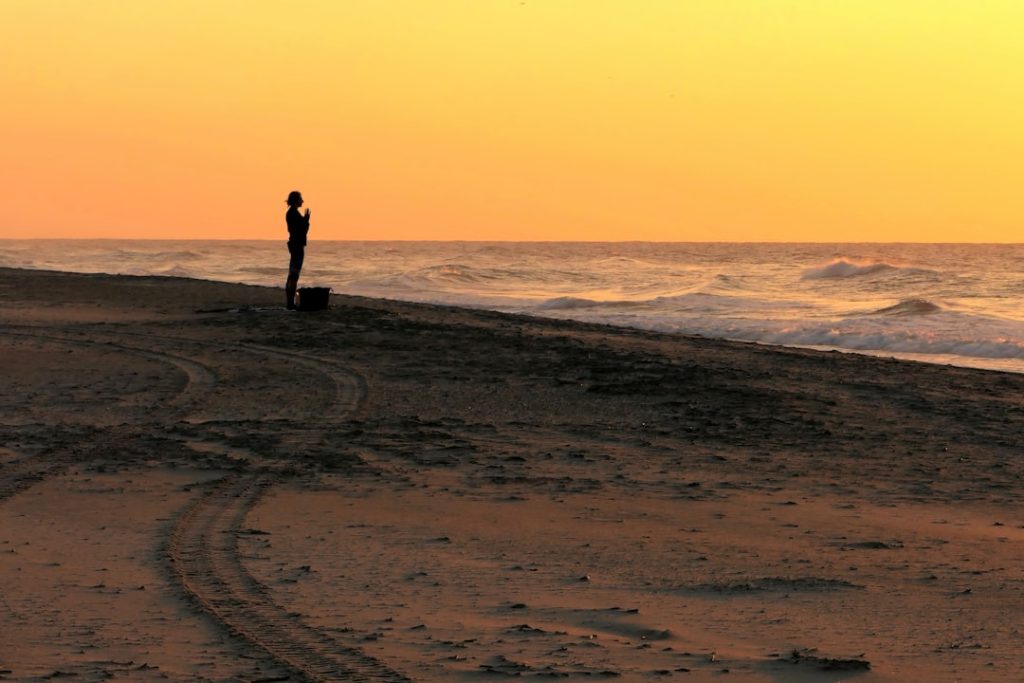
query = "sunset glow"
{"x": 781, "y": 120}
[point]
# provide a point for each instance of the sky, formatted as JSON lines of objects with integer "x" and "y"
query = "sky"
{"x": 667, "y": 120}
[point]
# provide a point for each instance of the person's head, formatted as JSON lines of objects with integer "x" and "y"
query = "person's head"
{"x": 294, "y": 198}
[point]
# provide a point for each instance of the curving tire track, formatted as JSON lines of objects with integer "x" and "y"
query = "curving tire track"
{"x": 203, "y": 554}
{"x": 349, "y": 386}
{"x": 202, "y": 547}
{"x": 199, "y": 378}
{"x": 22, "y": 474}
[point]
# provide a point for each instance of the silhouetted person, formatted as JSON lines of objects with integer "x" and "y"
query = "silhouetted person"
{"x": 298, "y": 227}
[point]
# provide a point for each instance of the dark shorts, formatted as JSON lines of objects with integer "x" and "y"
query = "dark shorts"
{"x": 298, "y": 253}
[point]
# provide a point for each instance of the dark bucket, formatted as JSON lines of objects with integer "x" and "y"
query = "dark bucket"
{"x": 314, "y": 298}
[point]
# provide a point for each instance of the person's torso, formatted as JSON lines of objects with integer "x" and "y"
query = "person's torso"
{"x": 298, "y": 227}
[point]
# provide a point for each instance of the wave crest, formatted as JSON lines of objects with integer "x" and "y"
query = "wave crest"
{"x": 568, "y": 303}
{"x": 842, "y": 268}
{"x": 565, "y": 303}
{"x": 909, "y": 307}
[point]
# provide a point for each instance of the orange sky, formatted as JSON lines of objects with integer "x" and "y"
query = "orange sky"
{"x": 847, "y": 120}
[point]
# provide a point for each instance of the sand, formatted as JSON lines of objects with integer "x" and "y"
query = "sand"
{"x": 196, "y": 484}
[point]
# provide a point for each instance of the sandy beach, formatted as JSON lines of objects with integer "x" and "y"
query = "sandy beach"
{"x": 197, "y": 485}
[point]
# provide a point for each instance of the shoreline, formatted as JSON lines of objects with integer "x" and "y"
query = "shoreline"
{"x": 991, "y": 364}
{"x": 433, "y": 493}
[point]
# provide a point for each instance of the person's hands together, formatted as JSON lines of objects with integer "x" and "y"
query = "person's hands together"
{"x": 307, "y": 214}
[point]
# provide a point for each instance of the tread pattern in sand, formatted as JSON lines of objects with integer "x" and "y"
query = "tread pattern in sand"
{"x": 199, "y": 378}
{"x": 203, "y": 554}
{"x": 349, "y": 386}
{"x": 202, "y": 547}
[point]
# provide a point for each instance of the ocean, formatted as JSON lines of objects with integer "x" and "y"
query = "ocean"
{"x": 941, "y": 303}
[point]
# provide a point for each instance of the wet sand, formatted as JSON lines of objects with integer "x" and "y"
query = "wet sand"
{"x": 196, "y": 484}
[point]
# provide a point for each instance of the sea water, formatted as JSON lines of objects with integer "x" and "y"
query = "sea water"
{"x": 942, "y": 303}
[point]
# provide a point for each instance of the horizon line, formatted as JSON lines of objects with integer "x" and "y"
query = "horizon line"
{"x": 494, "y": 241}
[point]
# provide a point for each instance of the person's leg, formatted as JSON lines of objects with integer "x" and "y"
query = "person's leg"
{"x": 290, "y": 288}
{"x": 294, "y": 268}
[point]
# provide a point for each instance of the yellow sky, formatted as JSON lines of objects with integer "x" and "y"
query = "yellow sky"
{"x": 817, "y": 120}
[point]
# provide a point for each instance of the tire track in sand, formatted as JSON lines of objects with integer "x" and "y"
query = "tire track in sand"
{"x": 349, "y": 386}
{"x": 202, "y": 549}
{"x": 30, "y": 470}
{"x": 203, "y": 555}
{"x": 199, "y": 378}
{"x": 202, "y": 552}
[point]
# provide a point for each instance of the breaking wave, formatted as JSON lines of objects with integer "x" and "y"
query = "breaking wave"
{"x": 841, "y": 268}
{"x": 963, "y": 336}
{"x": 568, "y": 303}
{"x": 909, "y": 307}
{"x": 897, "y": 341}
